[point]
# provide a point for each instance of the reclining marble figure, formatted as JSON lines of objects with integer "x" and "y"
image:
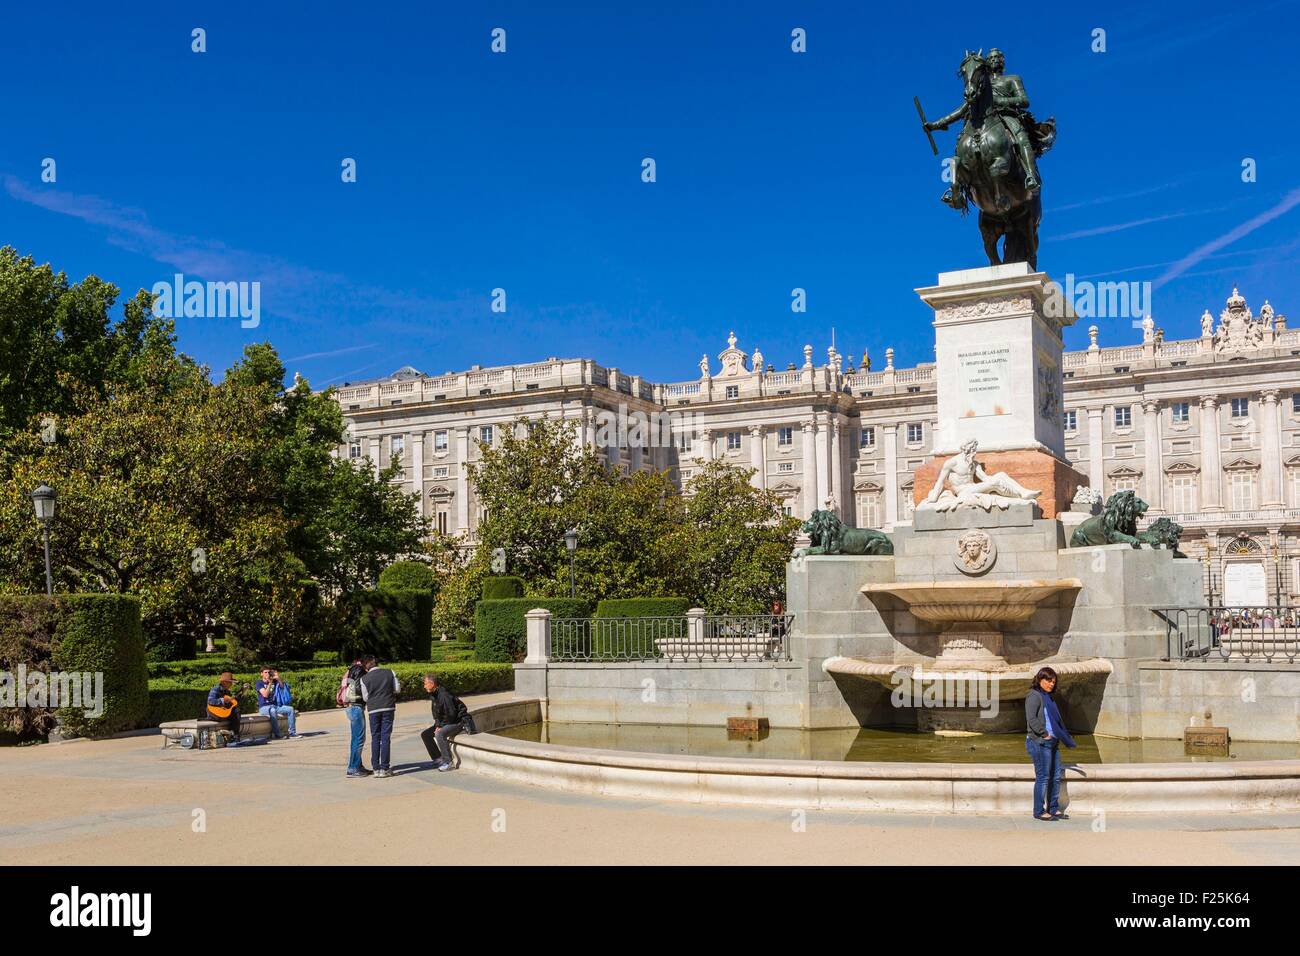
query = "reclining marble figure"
{"x": 963, "y": 483}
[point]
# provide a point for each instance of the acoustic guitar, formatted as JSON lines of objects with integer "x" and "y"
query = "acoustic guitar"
{"x": 228, "y": 704}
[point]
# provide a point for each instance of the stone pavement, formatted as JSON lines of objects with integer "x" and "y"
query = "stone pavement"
{"x": 128, "y": 801}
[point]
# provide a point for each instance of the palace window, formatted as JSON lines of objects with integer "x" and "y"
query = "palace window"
{"x": 683, "y": 441}
{"x": 909, "y": 506}
{"x": 485, "y": 434}
{"x": 1295, "y": 404}
{"x": 1124, "y": 483}
{"x": 867, "y": 439}
{"x": 442, "y": 520}
{"x": 441, "y": 471}
{"x": 1182, "y": 412}
{"x": 915, "y": 433}
{"x": 1242, "y": 484}
{"x": 397, "y": 447}
{"x": 440, "y": 441}
{"x": 354, "y": 450}
{"x": 733, "y": 391}
{"x": 1071, "y": 420}
{"x": 869, "y": 513}
{"x": 1183, "y": 490}
{"x": 733, "y": 441}
{"x": 1123, "y": 416}
{"x": 1241, "y": 408}
{"x": 785, "y": 436}
{"x": 785, "y": 467}
{"x": 1293, "y": 480}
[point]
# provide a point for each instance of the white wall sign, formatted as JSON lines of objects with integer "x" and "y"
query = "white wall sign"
{"x": 1244, "y": 584}
{"x": 985, "y": 379}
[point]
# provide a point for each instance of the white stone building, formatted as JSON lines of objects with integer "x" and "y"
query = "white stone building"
{"x": 1206, "y": 430}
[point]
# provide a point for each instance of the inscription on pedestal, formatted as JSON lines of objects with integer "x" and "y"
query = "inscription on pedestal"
{"x": 985, "y": 380}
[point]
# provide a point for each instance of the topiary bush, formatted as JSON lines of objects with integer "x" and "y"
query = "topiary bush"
{"x": 392, "y": 625}
{"x": 101, "y": 633}
{"x": 502, "y": 587}
{"x": 406, "y": 576}
{"x": 616, "y": 634}
{"x": 499, "y": 627}
{"x": 27, "y": 627}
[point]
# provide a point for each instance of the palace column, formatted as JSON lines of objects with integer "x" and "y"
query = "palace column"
{"x": 837, "y": 466}
{"x": 809, "y": 477}
{"x": 1271, "y": 449}
{"x": 1151, "y": 445}
{"x": 823, "y": 463}
{"x": 462, "y": 480}
{"x": 706, "y": 439}
{"x": 1096, "y": 465}
{"x": 757, "y": 456}
{"x": 1211, "y": 460}
{"x": 891, "y": 474}
{"x": 415, "y": 467}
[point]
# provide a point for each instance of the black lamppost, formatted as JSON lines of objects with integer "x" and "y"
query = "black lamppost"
{"x": 571, "y": 542}
{"x": 43, "y": 500}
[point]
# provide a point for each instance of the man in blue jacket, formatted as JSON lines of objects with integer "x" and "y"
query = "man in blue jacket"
{"x": 273, "y": 700}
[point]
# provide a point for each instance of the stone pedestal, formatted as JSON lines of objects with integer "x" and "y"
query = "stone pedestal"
{"x": 998, "y": 349}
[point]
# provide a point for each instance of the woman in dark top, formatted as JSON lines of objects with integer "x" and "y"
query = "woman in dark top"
{"x": 1044, "y": 732}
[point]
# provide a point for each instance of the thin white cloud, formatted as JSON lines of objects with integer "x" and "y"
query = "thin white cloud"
{"x": 329, "y": 354}
{"x": 1202, "y": 252}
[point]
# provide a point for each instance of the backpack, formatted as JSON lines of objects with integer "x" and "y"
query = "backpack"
{"x": 349, "y": 692}
{"x": 462, "y": 716}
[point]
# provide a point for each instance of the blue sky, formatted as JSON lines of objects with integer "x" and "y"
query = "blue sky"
{"x": 522, "y": 170}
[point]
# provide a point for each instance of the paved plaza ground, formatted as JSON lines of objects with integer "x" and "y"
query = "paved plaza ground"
{"x": 128, "y": 801}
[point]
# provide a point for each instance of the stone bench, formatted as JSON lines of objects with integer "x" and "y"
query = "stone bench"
{"x": 251, "y": 727}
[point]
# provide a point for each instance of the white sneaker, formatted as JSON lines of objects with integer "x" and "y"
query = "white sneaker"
{"x": 444, "y": 767}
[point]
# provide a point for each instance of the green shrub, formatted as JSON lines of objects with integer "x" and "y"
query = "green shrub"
{"x": 615, "y": 637}
{"x": 27, "y": 627}
{"x": 406, "y": 576}
{"x": 392, "y": 625}
{"x": 170, "y": 644}
{"x": 502, "y": 587}
{"x": 102, "y": 633}
{"x": 643, "y": 607}
{"x": 499, "y": 627}
{"x": 182, "y": 698}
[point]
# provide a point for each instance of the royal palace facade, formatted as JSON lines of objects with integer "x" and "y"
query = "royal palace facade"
{"x": 1205, "y": 429}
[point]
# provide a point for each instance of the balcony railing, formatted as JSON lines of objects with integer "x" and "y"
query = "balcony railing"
{"x": 1259, "y": 633}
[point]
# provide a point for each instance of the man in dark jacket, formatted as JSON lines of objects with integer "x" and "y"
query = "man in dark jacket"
{"x": 379, "y": 690}
{"x": 450, "y": 717}
{"x": 221, "y": 699}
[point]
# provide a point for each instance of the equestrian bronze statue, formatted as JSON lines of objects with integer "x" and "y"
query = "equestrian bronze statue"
{"x": 997, "y": 158}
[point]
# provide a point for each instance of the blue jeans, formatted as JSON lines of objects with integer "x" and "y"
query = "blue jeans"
{"x": 274, "y": 712}
{"x": 1047, "y": 774}
{"x": 357, "y": 718}
{"x": 381, "y": 732}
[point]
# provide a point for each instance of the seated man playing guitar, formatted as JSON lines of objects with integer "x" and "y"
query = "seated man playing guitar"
{"x": 223, "y": 706}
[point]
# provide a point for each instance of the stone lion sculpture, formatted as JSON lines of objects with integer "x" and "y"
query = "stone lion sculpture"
{"x": 1163, "y": 533}
{"x": 1117, "y": 523}
{"x": 830, "y": 536}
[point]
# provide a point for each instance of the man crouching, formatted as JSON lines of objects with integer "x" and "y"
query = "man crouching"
{"x": 450, "y": 717}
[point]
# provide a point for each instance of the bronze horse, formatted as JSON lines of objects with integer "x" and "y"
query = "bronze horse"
{"x": 990, "y": 172}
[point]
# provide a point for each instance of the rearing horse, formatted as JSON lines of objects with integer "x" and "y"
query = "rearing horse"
{"x": 990, "y": 173}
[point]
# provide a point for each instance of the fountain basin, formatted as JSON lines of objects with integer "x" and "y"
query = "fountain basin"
{"x": 973, "y": 602}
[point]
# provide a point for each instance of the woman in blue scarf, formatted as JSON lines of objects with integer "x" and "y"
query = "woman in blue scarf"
{"x": 1045, "y": 731}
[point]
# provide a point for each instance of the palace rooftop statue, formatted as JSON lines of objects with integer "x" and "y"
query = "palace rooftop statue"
{"x": 997, "y": 157}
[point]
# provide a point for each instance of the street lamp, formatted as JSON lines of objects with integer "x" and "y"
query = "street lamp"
{"x": 43, "y": 501}
{"x": 571, "y": 542}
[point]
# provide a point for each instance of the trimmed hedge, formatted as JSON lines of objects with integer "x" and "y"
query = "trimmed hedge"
{"x": 643, "y": 607}
{"x": 499, "y": 626}
{"x": 171, "y": 645}
{"x": 502, "y": 587}
{"x": 181, "y": 698}
{"x": 96, "y": 634}
{"x": 406, "y": 576}
{"x": 612, "y": 639}
{"x": 392, "y": 625}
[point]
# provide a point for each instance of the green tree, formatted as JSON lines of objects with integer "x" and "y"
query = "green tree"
{"x": 728, "y": 554}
